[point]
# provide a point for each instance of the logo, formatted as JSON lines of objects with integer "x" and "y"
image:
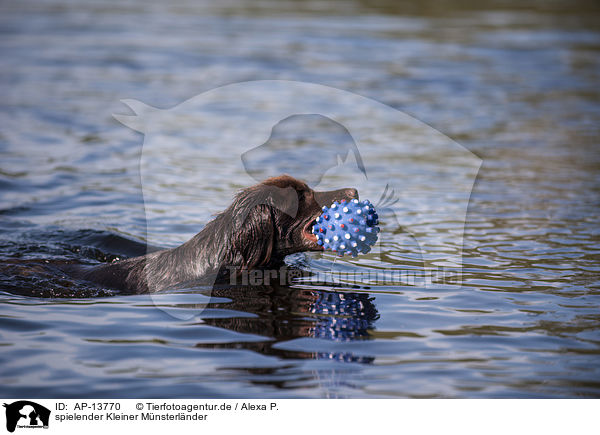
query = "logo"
{"x": 327, "y": 137}
{"x": 26, "y": 414}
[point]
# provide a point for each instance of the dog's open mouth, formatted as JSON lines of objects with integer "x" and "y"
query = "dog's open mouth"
{"x": 307, "y": 232}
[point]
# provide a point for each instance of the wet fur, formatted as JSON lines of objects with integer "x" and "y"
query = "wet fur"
{"x": 263, "y": 225}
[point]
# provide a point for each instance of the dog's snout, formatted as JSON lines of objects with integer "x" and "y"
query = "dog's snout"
{"x": 352, "y": 193}
{"x": 327, "y": 198}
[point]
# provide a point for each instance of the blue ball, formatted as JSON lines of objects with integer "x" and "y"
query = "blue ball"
{"x": 347, "y": 227}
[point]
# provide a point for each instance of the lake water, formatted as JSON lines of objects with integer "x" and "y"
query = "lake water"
{"x": 517, "y": 86}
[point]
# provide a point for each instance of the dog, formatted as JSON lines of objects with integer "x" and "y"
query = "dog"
{"x": 263, "y": 225}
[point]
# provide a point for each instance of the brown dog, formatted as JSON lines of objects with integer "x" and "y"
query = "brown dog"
{"x": 265, "y": 223}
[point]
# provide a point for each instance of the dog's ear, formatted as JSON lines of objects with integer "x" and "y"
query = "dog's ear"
{"x": 255, "y": 237}
{"x": 281, "y": 198}
{"x": 253, "y": 221}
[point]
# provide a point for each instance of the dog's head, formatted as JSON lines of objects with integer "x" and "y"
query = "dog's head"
{"x": 275, "y": 218}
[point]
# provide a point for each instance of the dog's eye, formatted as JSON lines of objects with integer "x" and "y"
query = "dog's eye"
{"x": 305, "y": 195}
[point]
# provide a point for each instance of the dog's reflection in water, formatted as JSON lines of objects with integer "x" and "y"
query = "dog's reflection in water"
{"x": 285, "y": 313}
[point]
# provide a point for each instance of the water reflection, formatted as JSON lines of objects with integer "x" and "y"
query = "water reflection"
{"x": 286, "y": 313}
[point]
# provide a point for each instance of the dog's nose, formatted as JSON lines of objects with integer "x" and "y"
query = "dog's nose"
{"x": 352, "y": 193}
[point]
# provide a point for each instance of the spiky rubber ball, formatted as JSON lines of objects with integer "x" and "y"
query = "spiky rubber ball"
{"x": 347, "y": 227}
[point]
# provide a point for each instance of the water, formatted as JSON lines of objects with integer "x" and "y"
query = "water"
{"x": 516, "y": 86}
